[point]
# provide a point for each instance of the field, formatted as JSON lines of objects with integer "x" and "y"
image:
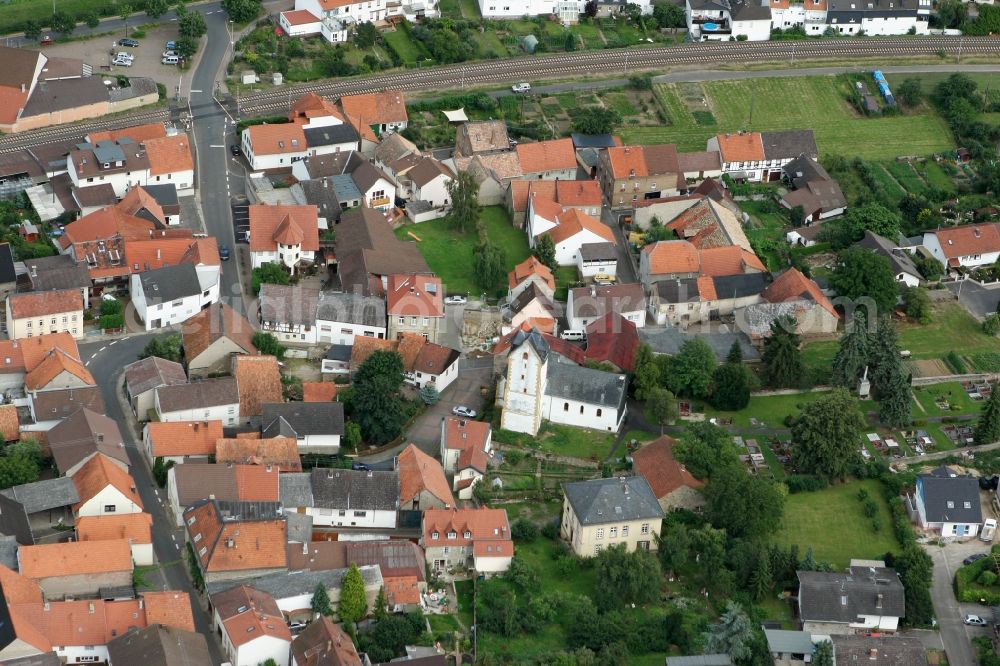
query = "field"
{"x": 449, "y": 253}
{"x": 788, "y": 103}
{"x": 832, "y": 522}
{"x": 575, "y": 442}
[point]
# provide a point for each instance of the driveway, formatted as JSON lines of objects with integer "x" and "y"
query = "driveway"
{"x": 980, "y": 301}
{"x": 426, "y": 430}
{"x": 955, "y": 637}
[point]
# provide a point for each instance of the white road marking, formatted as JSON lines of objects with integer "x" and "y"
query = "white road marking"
{"x": 216, "y": 145}
{"x": 113, "y": 342}
{"x": 173, "y": 537}
{"x": 177, "y": 546}
{"x": 93, "y": 355}
{"x": 86, "y": 364}
{"x": 194, "y": 91}
{"x": 102, "y": 348}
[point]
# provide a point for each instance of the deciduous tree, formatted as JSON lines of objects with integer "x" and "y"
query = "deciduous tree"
{"x": 242, "y": 11}
{"x": 626, "y": 578}
{"x": 823, "y": 654}
{"x": 781, "y": 356}
{"x": 489, "y": 263}
{"x": 646, "y": 375}
{"x": 166, "y": 346}
{"x": 910, "y": 92}
{"x": 268, "y": 273}
{"x": 728, "y": 494}
{"x": 730, "y": 387}
{"x": 860, "y": 275}
{"x": 32, "y": 30}
{"x": 63, "y": 23}
{"x": 463, "y": 190}
{"x": 353, "y": 603}
{"x": 691, "y": 370}
{"x": 366, "y": 35}
{"x": 375, "y": 402}
{"x": 190, "y": 23}
{"x": 156, "y": 8}
{"x": 267, "y": 344}
{"x": 917, "y": 304}
{"x": 826, "y": 435}
{"x": 596, "y": 120}
{"x": 797, "y": 216}
{"x": 662, "y": 406}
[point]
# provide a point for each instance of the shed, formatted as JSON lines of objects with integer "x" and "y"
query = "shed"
{"x": 248, "y": 77}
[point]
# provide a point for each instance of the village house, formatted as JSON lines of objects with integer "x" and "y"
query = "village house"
{"x": 597, "y": 259}
{"x": 273, "y": 146}
{"x": 376, "y": 113}
{"x": 57, "y": 370}
{"x": 868, "y": 597}
{"x": 415, "y": 304}
{"x": 341, "y": 318}
{"x": 104, "y": 488}
{"x": 531, "y": 307}
{"x": 280, "y": 453}
{"x": 319, "y": 391}
{"x": 316, "y": 426}
{"x": 368, "y": 252}
{"x": 612, "y": 339}
{"x": 286, "y": 235}
{"x": 159, "y": 645}
{"x": 124, "y": 163}
{"x": 815, "y": 191}
{"x": 136, "y": 528}
{"x": 584, "y": 195}
{"x": 36, "y": 511}
{"x": 569, "y": 229}
{"x": 354, "y": 498}
{"x": 789, "y": 648}
{"x": 212, "y": 336}
{"x": 629, "y": 174}
{"x": 83, "y": 436}
{"x": 144, "y": 376}
{"x": 40, "y": 313}
{"x": 547, "y": 160}
{"x": 878, "y": 650}
{"x": 691, "y": 301}
{"x": 481, "y": 136}
{"x": 671, "y": 483}
{"x": 761, "y": 156}
{"x": 587, "y": 304}
{"x": 188, "y": 484}
{"x": 48, "y": 408}
{"x": 530, "y": 272}
{"x": 234, "y": 540}
{"x": 680, "y": 259}
{"x": 215, "y": 399}
{"x": 966, "y": 246}
{"x": 251, "y": 626}
{"x": 180, "y": 441}
{"x": 77, "y": 568}
{"x": 422, "y": 484}
{"x": 258, "y": 379}
{"x": 288, "y": 312}
{"x": 171, "y": 295}
{"x": 600, "y": 513}
{"x": 465, "y": 452}
{"x": 792, "y": 295}
{"x": 467, "y": 539}
{"x": 946, "y": 503}
{"x": 901, "y": 261}
{"x": 323, "y": 642}
{"x": 20, "y": 358}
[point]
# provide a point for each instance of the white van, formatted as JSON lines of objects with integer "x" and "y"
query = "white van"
{"x": 521, "y": 87}
{"x": 170, "y": 60}
{"x": 573, "y": 335}
{"x": 989, "y": 527}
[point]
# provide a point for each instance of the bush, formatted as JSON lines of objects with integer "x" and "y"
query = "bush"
{"x": 111, "y": 322}
{"x": 955, "y": 362}
{"x": 968, "y": 589}
{"x": 987, "y": 578}
{"x": 870, "y": 508}
{"x": 550, "y": 530}
{"x": 805, "y": 483}
{"x": 524, "y": 531}
{"x": 513, "y": 458}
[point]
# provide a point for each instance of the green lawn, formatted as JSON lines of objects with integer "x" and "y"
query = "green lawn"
{"x": 470, "y": 9}
{"x": 575, "y": 442}
{"x": 403, "y": 44}
{"x": 935, "y": 176}
{"x": 772, "y": 409}
{"x": 792, "y": 103}
{"x": 441, "y": 624}
{"x": 889, "y": 184}
{"x": 951, "y": 324}
{"x": 833, "y": 523}
{"x": 960, "y": 404}
{"x": 16, "y": 12}
{"x": 449, "y": 253}
{"x": 565, "y": 276}
{"x": 464, "y": 590}
{"x": 778, "y": 610}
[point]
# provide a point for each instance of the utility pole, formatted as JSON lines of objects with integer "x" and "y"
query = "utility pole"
{"x": 961, "y": 40}
{"x": 625, "y": 73}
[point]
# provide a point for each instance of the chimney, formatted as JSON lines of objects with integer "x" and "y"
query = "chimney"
{"x": 90, "y": 607}
{"x": 34, "y": 271}
{"x": 878, "y": 601}
{"x": 593, "y": 290}
{"x": 157, "y": 253}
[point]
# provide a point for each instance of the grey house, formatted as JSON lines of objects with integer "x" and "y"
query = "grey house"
{"x": 946, "y": 503}
{"x": 867, "y": 597}
{"x": 601, "y": 513}
{"x": 31, "y": 511}
{"x": 317, "y": 426}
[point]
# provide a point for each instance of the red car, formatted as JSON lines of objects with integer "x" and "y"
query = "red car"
{"x": 47, "y": 39}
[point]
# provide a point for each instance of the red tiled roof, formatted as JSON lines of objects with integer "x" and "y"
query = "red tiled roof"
{"x": 74, "y": 558}
{"x": 10, "y": 426}
{"x": 414, "y": 296}
{"x": 574, "y": 221}
{"x": 280, "y": 451}
{"x": 258, "y": 380}
{"x": 969, "y": 239}
{"x": 642, "y": 161}
{"x": 527, "y": 268}
{"x": 792, "y": 285}
{"x": 318, "y": 391}
{"x": 54, "y": 365}
{"x": 277, "y": 139}
{"x": 300, "y": 17}
{"x": 137, "y": 199}
{"x": 656, "y": 462}
{"x": 310, "y": 105}
{"x": 667, "y": 257}
{"x": 468, "y": 525}
{"x": 97, "y": 474}
{"x": 139, "y": 133}
{"x": 170, "y": 154}
{"x": 183, "y": 438}
{"x": 554, "y": 155}
{"x": 136, "y": 528}
{"x": 216, "y": 321}
{"x": 44, "y": 303}
{"x": 558, "y": 345}
{"x": 747, "y": 147}
{"x": 299, "y": 224}
{"x": 418, "y": 472}
{"x": 464, "y": 433}
{"x": 387, "y": 106}
{"x": 614, "y": 339}
{"x": 235, "y": 545}
{"x": 169, "y": 608}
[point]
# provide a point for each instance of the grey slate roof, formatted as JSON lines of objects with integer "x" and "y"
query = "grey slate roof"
{"x": 164, "y": 194}
{"x": 355, "y": 489}
{"x": 592, "y": 140}
{"x": 351, "y": 308}
{"x": 677, "y": 291}
{"x": 329, "y": 135}
{"x": 339, "y": 353}
{"x": 320, "y": 194}
{"x": 83, "y": 434}
{"x": 148, "y": 373}
{"x": 44, "y": 495}
{"x": 60, "y": 271}
{"x": 7, "y": 273}
{"x": 669, "y": 340}
{"x": 900, "y": 260}
{"x": 295, "y": 489}
{"x": 344, "y": 188}
{"x": 598, "y": 252}
{"x": 8, "y": 551}
{"x": 529, "y": 294}
{"x": 599, "y": 501}
{"x": 594, "y": 387}
{"x": 796, "y": 642}
{"x": 803, "y": 169}
{"x": 157, "y": 645}
{"x": 786, "y": 144}
{"x": 288, "y": 304}
{"x": 740, "y": 286}
{"x": 298, "y": 527}
{"x": 888, "y": 650}
{"x": 285, "y": 585}
{"x": 304, "y": 418}
{"x": 840, "y": 597}
{"x": 204, "y": 393}
{"x": 247, "y": 511}
{"x": 58, "y": 404}
{"x": 170, "y": 283}
{"x": 534, "y": 339}
{"x": 47, "y": 659}
{"x": 950, "y": 498}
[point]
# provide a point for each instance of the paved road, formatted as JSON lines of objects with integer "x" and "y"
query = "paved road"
{"x": 105, "y": 361}
{"x": 955, "y": 637}
{"x": 979, "y": 300}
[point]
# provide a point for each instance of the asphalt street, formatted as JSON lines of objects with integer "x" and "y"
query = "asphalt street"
{"x": 954, "y": 636}
{"x": 105, "y": 360}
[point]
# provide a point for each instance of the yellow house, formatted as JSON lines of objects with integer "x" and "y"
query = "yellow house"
{"x": 608, "y": 512}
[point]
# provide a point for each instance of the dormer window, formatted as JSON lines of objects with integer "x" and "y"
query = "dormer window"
{"x": 452, "y": 535}
{"x": 435, "y": 535}
{"x": 467, "y": 534}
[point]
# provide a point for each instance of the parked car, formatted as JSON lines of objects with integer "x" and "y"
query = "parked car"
{"x": 170, "y": 60}
{"x": 168, "y": 53}
{"x": 989, "y": 529}
{"x": 171, "y": 45}
{"x": 46, "y": 39}
{"x": 122, "y": 62}
{"x": 360, "y": 466}
{"x": 521, "y": 87}
{"x": 131, "y": 43}
{"x": 974, "y": 620}
{"x": 972, "y": 559}
{"x": 224, "y": 252}
{"x": 462, "y": 410}
{"x": 455, "y": 300}
{"x": 234, "y": 149}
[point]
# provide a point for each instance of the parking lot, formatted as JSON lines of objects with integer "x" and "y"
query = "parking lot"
{"x": 241, "y": 218}
{"x": 99, "y": 53}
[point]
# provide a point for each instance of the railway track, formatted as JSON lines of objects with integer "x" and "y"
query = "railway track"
{"x": 556, "y": 65}
{"x": 627, "y": 60}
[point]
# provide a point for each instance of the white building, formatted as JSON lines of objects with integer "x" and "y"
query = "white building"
{"x": 966, "y": 246}
{"x": 597, "y": 259}
{"x": 214, "y": 399}
{"x": 586, "y": 305}
{"x": 346, "y": 11}
{"x": 761, "y": 156}
{"x": 173, "y": 294}
{"x": 283, "y": 234}
{"x": 316, "y": 426}
{"x": 105, "y": 489}
{"x": 430, "y": 180}
{"x": 275, "y": 146}
{"x": 465, "y": 452}
{"x": 38, "y": 313}
{"x": 354, "y": 498}
{"x": 947, "y": 504}
{"x": 728, "y": 19}
{"x": 251, "y": 626}
{"x": 541, "y": 385}
{"x": 340, "y": 318}
{"x": 299, "y": 23}
{"x": 124, "y": 163}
